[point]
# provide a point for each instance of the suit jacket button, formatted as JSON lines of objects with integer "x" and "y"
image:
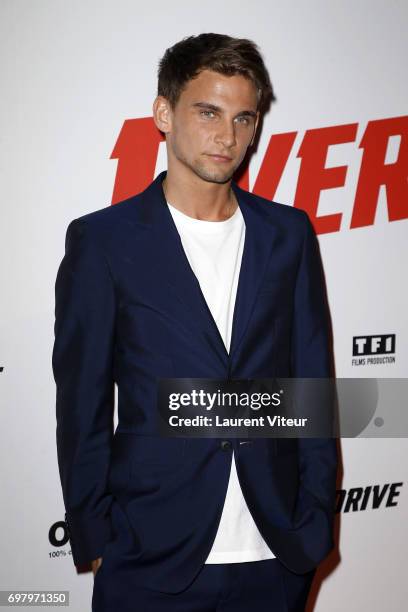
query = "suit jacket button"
{"x": 225, "y": 445}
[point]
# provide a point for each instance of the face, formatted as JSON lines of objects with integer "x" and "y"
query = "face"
{"x": 216, "y": 115}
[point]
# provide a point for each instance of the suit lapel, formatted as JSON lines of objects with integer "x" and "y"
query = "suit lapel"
{"x": 167, "y": 255}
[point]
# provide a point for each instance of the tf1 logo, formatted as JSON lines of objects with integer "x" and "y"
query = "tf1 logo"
{"x": 374, "y": 345}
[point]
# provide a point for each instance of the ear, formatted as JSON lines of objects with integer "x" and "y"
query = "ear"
{"x": 162, "y": 114}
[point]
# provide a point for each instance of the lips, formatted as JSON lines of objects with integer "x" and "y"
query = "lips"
{"x": 221, "y": 157}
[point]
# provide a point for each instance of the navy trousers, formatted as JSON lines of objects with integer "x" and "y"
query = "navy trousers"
{"x": 254, "y": 586}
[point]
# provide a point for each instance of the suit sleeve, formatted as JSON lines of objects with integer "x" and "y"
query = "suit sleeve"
{"x": 82, "y": 368}
{"x": 311, "y": 358}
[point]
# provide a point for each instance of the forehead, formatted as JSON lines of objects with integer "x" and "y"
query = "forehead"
{"x": 216, "y": 88}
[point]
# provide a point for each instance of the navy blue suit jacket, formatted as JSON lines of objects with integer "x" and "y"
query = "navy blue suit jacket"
{"x": 129, "y": 310}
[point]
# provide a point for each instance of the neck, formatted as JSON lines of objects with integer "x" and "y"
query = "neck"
{"x": 200, "y": 199}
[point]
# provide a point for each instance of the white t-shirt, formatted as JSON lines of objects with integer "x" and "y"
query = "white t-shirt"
{"x": 214, "y": 250}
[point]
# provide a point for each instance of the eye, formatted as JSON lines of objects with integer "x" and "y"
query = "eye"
{"x": 243, "y": 119}
{"x": 203, "y": 112}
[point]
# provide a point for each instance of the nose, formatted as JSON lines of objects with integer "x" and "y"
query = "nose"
{"x": 226, "y": 134}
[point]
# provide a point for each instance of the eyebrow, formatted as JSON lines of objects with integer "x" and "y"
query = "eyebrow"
{"x": 216, "y": 108}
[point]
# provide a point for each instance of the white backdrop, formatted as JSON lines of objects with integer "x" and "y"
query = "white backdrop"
{"x": 72, "y": 74}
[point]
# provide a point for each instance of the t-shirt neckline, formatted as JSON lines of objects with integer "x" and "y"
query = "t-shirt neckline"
{"x": 201, "y": 224}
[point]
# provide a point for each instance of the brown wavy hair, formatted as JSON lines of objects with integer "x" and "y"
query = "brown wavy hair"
{"x": 218, "y": 52}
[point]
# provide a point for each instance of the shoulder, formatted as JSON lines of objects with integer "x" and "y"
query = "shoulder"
{"x": 110, "y": 215}
{"x": 109, "y": 223}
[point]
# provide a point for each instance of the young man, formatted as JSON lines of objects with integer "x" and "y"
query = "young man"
{"x": 193, "y": 278}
